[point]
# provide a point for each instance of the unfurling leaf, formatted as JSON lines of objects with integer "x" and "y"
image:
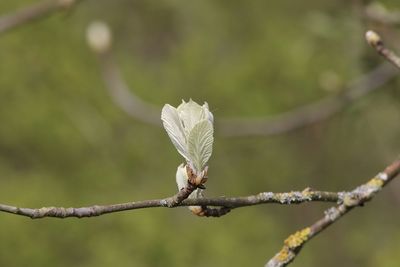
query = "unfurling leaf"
{"x": 190, "y": 128}
{"x": 174, "y": 128}
{"x": 200, "y": 143}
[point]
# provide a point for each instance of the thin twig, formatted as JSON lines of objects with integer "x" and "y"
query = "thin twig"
{"x": 315, "y": 112}
{"x": 33, "y": 12}
{"x": 379, "y": 13}
{"x": 125, "y": 98}
{"x": 312, "y": 113}
{"x": 355, "y": 198}
{"x": 376, "y": 42}
{"x": 227, "y": 203}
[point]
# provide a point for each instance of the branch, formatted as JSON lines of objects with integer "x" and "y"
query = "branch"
{"x": 300, "y": 117}
{"x": 355, "y": 198}
{"x": 183, "y": 194}
{"x": 379, "y": 13}
{"x": 226, "y": 203}
{"x": 123, "y": 97}
{"x": 312, "y": 113}
{"x": 376, "y": 42}
{"x": 34, "y": 12}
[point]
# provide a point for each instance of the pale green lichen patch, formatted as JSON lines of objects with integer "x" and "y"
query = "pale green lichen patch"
{"x": 350, "y": 200}
{"x": 297, "y": 239}
{"x": 292, "y": 197}
{"x": 375, "y": 182}
{"x": 306, "y": 192}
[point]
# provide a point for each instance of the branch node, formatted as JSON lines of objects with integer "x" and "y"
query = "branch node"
{"x": 183, "y": 194}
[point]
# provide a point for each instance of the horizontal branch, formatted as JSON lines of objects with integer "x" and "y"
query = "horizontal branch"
{"x": 288, "y": 198}
{"x": 358, "y": 197}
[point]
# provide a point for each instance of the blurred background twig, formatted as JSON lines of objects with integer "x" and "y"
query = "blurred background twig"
{"x": 125, "y": 98}
{"x": 34, "y": 12}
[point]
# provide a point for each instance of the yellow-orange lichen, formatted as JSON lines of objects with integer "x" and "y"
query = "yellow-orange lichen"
{"x": 298, "y": 238}
{"x": 283, "y": 255}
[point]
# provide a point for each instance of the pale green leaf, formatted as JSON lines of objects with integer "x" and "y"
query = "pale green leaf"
{"x": 190, "y": 113}
{"x": 200, "y": 143}
{"x": 174, "y": 128}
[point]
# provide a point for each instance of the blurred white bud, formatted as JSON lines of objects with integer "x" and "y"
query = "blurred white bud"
{"x": 373, "y": 38}
{"x": 98, "y": 36}
{"x": 190, "y": 128}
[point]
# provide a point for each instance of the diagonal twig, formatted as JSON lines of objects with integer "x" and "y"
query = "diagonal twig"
{"x": 355, "y": 198}
{"x": 33, "y": 12}
{"x": 376, "y": 42}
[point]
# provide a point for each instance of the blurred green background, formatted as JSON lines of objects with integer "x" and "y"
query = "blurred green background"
{"x": 63, "y": 142}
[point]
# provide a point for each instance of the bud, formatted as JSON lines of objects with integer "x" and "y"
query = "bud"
{"x": 182, "y": 182}
{"x": 190, "y": 128}
{"x": 373, "y": 39}
{"x": 98, "y": 36}
{"x": 181, "y": 177}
